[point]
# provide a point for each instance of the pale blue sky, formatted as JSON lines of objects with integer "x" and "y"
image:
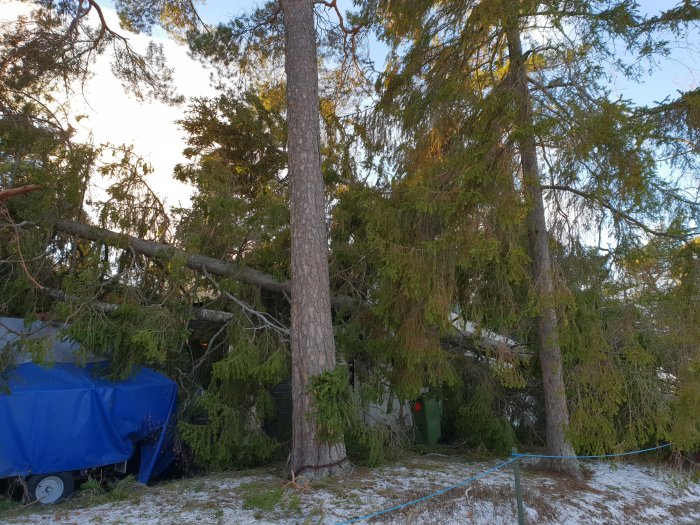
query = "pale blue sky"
{"x": 161, "y": 141}
{"x": 680, "y": 71}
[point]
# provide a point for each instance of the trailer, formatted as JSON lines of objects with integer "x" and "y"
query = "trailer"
{"x": 61, "y": 420}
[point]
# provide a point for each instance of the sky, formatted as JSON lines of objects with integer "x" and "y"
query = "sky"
{"x": 116, "y": 117}
{"x": 681, "y": 71}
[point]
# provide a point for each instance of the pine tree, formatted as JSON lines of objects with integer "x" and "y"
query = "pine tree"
{"x": 312, "y": 341}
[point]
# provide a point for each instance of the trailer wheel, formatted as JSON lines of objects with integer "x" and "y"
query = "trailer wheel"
{"x": 50, "y": 488}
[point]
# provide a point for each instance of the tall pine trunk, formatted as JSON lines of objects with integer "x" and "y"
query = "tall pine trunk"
{"x": 556, "y": 410}
{"x": 313, "y": 346}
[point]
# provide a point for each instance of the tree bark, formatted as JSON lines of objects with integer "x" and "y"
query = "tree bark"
{"x": 14, "y": 192}
{"x": 312, "y": 342}
{"x": 556, "y": 410}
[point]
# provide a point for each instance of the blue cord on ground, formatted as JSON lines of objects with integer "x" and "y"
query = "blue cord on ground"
{"x": 434, "y": 494}
{"x": 515, "y": 457}
{"x": 600, "y": 456}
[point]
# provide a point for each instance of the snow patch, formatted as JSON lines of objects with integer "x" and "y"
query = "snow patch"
{"x": 615, "y": 493}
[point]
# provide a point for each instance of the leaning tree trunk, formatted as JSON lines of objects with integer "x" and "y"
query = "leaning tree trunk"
{"x": 313, "y": 346}
{"x": 556, "y": 410}
{"x": 200, "y": 263}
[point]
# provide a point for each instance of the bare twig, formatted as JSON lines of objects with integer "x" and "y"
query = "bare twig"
{"x": 616, "y": 211}
{"x": 5, "y": 215}
{"x": 266, "y": 320}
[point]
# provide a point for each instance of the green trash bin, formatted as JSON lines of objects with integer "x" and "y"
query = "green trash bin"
{"x": 426, "y": 417}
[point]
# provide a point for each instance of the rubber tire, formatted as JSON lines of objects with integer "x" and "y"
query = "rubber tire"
{"x": 33, "y": 483}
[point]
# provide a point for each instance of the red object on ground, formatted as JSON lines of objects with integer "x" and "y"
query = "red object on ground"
{"x": 417, "y": 406}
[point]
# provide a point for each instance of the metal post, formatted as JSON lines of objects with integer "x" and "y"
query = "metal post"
{"x": 518, "y": 489}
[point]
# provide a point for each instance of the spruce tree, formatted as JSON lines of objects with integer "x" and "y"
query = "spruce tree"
{"x": 597, "y": 151}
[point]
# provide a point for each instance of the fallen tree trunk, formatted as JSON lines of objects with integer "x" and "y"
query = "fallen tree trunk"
{"x": 21, "y": 190}
{"x": 195, "y": 262}
{"x": 202, "y": 314}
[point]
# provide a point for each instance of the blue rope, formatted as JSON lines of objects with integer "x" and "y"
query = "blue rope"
{"x": 438, "y": 493}
{"x": 516, "y": 455}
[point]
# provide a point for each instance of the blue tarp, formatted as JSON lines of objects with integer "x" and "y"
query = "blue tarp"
{"x": 66, "y": 417}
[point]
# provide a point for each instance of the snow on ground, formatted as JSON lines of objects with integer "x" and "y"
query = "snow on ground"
{"x": 613, "y": 493}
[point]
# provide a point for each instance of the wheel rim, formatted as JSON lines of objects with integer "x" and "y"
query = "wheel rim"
{"x": 49, "y": 489}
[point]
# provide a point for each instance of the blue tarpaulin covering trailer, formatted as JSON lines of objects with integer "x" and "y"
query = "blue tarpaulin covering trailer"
{"x": 62, "y": 419}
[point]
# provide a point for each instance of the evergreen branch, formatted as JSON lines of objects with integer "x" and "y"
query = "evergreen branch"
{"x": 546, "y": 89}
{"x": 70, "y": 45}
{"x": 616, "y": 211}
{"x": 673, "y": 193}
{"x": 52, "y": 121}
{"x": 104, "y": 27}
{"x": 261, "y": 22}
{"x": 18, "y": 225}
{"x": 201, "y": 314}
{"x": 693, "y": 147}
